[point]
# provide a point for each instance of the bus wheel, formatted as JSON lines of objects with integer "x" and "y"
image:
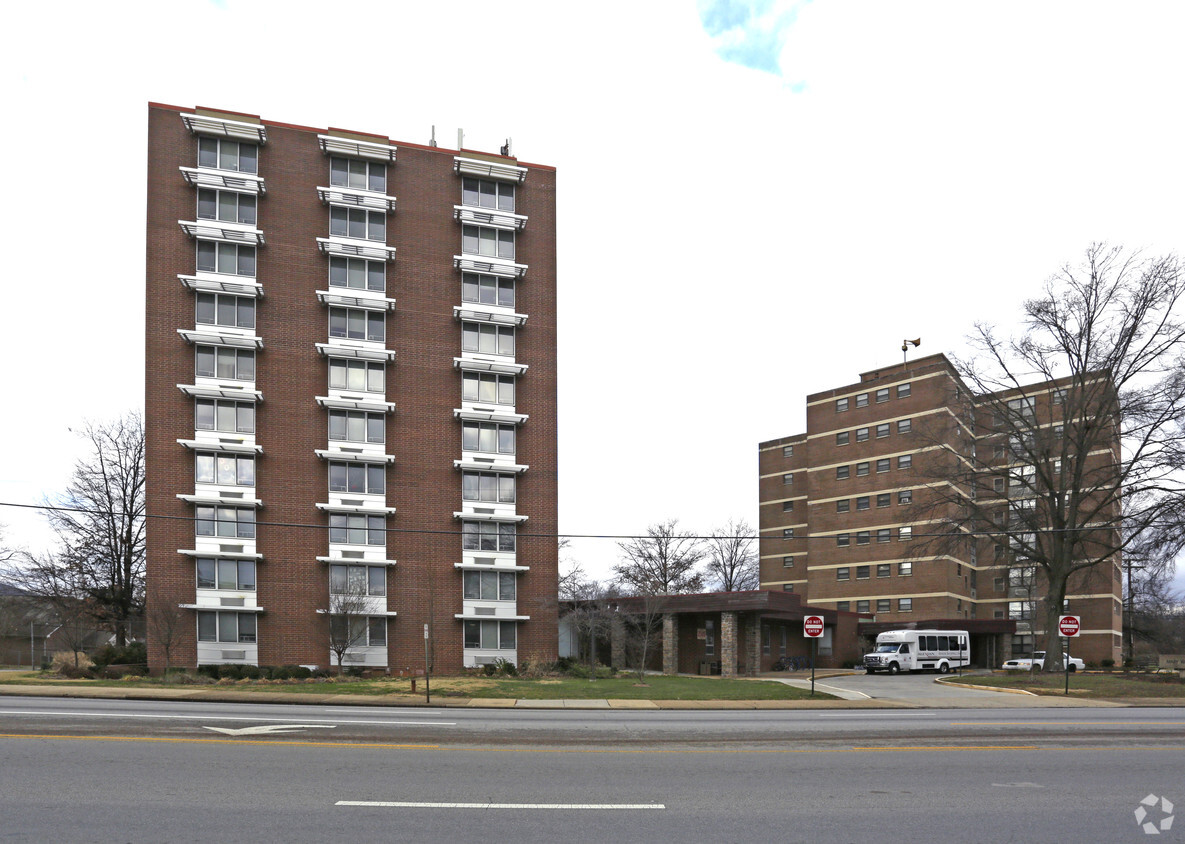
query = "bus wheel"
{"x": 893, "y": 668}
{"x": 943, "y": 668}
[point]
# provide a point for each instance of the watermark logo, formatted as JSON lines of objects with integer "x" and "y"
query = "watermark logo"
{"x": 1147, "y": 810}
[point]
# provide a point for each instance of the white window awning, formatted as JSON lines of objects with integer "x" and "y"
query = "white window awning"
{"x": 356, "y": 300}
{"x": 477, "y": 414}
{"x": 356, "y": 509}
{"x": 214, "y": 230}
{"x": 486, "y": 567}
{"x": 334, "y": 350}
{"x": 502, "y": 171}
{"x": 354, "y": 455}
{"x": 355, "y": 249}
{"x": 239, "y": 130}
{"x": 200, "y": 177}
{"x": 490, "y": 466}
{"x": 220, "y": 391}
{"x": 222, "y": 446}
{"x": 219, "y": 608}
{"x": 216, "y": 500}
{"x": 489, "y": 266}
{"x": 220, "y": 555}
{"x": 214, "y": 283}
{"x": 501, "y": 367}
{"x": 356, "y": 198}
{"x": 462, "y": 616}
{"x": 214, "y": 337}
{"x": 370, "y": 150}
{"x": 359, "y": 403}
{"x": 489, "y": 517}
{"x": 471, "y": 313}
{"x": 489, "y": 217}
{"x": 354, "y": 561}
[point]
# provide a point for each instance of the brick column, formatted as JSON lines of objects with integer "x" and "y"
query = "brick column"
{"x": 752, "y": 644}
{"x": 728, "y": 644}
{"x": 670, "y": 644}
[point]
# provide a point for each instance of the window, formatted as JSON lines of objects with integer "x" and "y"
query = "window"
{"x": 218, "y": 415}
{"x": 709, "y": 637}
{"x": 222, "y": 154}
{"x": 360, "y": 175}
{"x": 884, "y": 499}
{"x": 487, "y": 339}
{"x": 863, "y": 537}
{"x": 351, "y": 529}
{"x": 787, "y": 451}
{"x": 842, "y": 472}
{"x": 843, "y": 606}
{"x": 490, "y": 243}
{"x": 1020, "y": 610}
{"x": 861, "y": 606}
{"x": 862, "y": 572}
{"x": 483, "y": 194}
{"x": 489, "y": 585}
{"x": 905, "y": 569}
{"x": 237, "y": 627}
{"x": 905, "y": 461}
{"x": 490, "y": 635}
{"x": 366, "y": 376}
{"x": 884, "y": 535}
{"x": 904, "y": 426}
{"x": 782, "y": 645}
{"x": 841, "y": 438}
{"x": 861, "y": 435}
{"x": 357, "y": 477}
{"x": 998, "y": 484}
{"x": 487, "y": 486}
{"x": 787, "y": 562}
{"x": 903, "y": 390}
{"x": 229, "y": 258}
{"x": 882, "y": 430}
{"x": 359, "y": 223}
{"x": 882, "y": 395}
{"x": 862, "y": 400}
{"x": 487, "y": 536}
{"x": 787, "y": 479}
{"x": 843, "y": 506}
{"x": 998, "y": 553}
{"x": 222, "y": 309}
{"x": 486, "y": 436}
{"x": 787, "y": 506}
{"x": 363, "y": 631}
{"x": 236, "y": 364}
{"x": 998, "y": 584}
{"x": 1059, "y": 396}
{"x": 843, "y": 573}
{"x": 787, "y": 533}
{"x": 357, "y": 273}
{"x": 236, "y": 575}
{"x": 225, "y": 521}
{"x": 226, "y": 206}
{"x": 226, "y": 469}
{"x": 487, "y": 290}
{"x": 905, "y": 496}
{"x": 1025, "y": 408}
{"x": 884, "y": 570}
{"x": 483, "y": 387}
{"x": 883, "y": 464}
{"x": 357, "y": 580}
{"x": 765, "y": 632}
{"x": 841, "y": 405}
{"x": 905, "y": 534}
{"x": 884, "y": 605}
{"x": 355, "y": 426}
{"x": 357, "y": 324}
{"x": 862, "y": 469}
{"x": 842, "y": 539}
{"x": 863, "y": 502}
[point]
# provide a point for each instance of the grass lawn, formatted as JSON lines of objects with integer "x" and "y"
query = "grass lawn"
{"x": 623, "y": 687}
{"x": 1116, "y": 685}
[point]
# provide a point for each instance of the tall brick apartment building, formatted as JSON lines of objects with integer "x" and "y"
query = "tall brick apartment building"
{"x": 344, "y": 348}
{"x": 849, "y": 510}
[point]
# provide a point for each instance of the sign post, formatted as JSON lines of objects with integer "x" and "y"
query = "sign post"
{"x": 427, "y": 669}
{"x": 812, "y": 628}
{"x": 1069, "y": 626}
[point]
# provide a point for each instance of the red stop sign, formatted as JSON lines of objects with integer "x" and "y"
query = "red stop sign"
{"x": 812, "y": 626}
{"x": 1069, "y": 625}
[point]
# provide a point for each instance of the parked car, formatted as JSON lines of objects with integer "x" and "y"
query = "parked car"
{"x": 1038, "y": 662}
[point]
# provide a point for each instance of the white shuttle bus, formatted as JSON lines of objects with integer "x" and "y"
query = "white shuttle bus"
{"x": 919, "y": 650}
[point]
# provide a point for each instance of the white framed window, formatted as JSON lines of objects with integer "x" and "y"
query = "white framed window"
{"x": 487, "y": 290}
{"x": 905, "y": 496}
{"x": 357, "y": 477}
{"x": 905, "y": 569}
{"x": 228, "y": 627}
{"x": 1025, "y": 408}
{"x": 358, "y": 223}
{"x": 220, "y": 362}
{"x": 357, "y": 174}
{"x": 231, "y": 575}
{"x": 904, "y": 426}
{"x": 863, "y": 537}
{"x": 843, "y": 573}
{"x": 363, "y": 631}
{"x": 225, "y": 521}
{"x": 882, "y": 395}
{"x": 223, "y": 154}
{"x": 787, "y": 479}
{"x": 487, "y": 436}
{"x": 843, "y": 505}
{"x": 843, "y": 539}
{"x": 841, "y": 405}
{"x": 882, "y": 430}
{"x": 236, "y": 417}
{"x": 357, "y": 274}
{"x": 905, "y": 605}
{"x": 884, "y": 534}
{"x": 489, "y": 585}
{"x": 490, "y": 243}
{"x": 903, "y": 390}
{"x": 357, "y": 580}
{"x": 905, "y": 461}
{"x": 787, "y": 506}
{"x": 367, "y": 376}
{"x": 905, "y": 534}
{"x": 354, "y": 529}
{"x": 357, "y": 324}
{"x": 487, "y": 388}
{"x": 488, "y": 536}
{"x": 490, "y": 635}
{"x": 863, "y": 573}
{"x": 224, "y": 469}
{"x": 226, "y": 206}
{"x": 862, "y": 469}
{"x": 787, "y": 451}
{"x": 861, "y": 435}
{"x": 841, "y": 438}
{"x": 357, "y": 426}
{"x": 487, "y": 486}
{"x": 884, "y": 604}
{"x": 842, "y": 472}
{"x": 863, "y": 502}
{"x": 884, "y": 499}
{"x": 485, "y": 194}
{"x": 228, "y": 258}
{"x": 788, "y": 562}
{"x": 843, "y": 606}
{"x": 487, "y": 339}
{"x": 862, "y": 606}
{"x": 862, "y": 400}
{"x": 787, "y": 533}
{"x": 884, "y": 569}
{"x": 883, "y": 464}
{"x": 225, "y": 310}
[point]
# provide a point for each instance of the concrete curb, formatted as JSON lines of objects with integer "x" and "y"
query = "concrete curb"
{"x": 948, "y": 682}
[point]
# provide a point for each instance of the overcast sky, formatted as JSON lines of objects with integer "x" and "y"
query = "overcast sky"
{"x": 756, "y": 200}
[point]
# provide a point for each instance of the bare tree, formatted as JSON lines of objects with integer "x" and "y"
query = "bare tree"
{"x": 589, "y": 612}
{"x": 643, "y": 628}
{"x": 732, "y": 558}
{"x": 664, "y": 562}
{"x": 1077, "y": 426}
{"x": 349, "y": 612}
{"x": 167, "y": 626}
{"x": 64, "y": 589}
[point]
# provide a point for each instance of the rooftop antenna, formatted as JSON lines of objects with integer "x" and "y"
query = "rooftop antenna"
{"x": 432, "y": 142}
{"x": 506, "y": 149}
{"x": 905, "y": 344}
{"x": 460, "y": 139}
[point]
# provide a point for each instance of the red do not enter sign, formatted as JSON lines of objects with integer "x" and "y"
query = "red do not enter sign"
{"x": 812, "y": 626}
{"x": 1069, "y": 625}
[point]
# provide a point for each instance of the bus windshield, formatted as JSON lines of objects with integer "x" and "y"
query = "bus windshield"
{"x": 887, "y": 649}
